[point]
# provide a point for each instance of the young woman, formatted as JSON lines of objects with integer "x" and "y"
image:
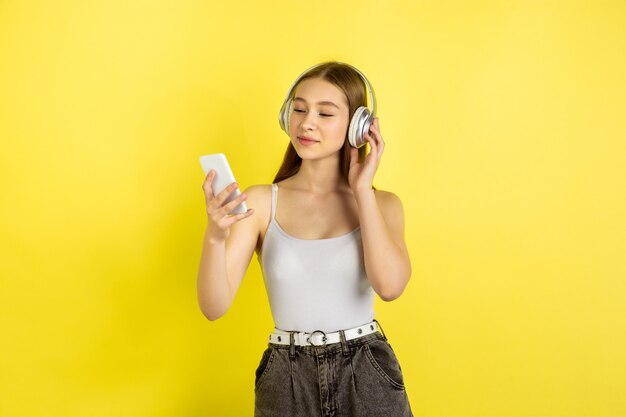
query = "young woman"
{"x": 327, "y": 242}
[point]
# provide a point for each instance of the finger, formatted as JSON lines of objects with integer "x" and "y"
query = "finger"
{"x": 368, "y": 139}
{"x": 207, "y": 184}
{"x": 372, "y": 142}
{"x": 375, "y": 135}
{"x": 227, "y": 208}
{"x": 374, "y": 125}
{"x": 236, "y": 217}
{"x": 377, "y": 148}
{"x": 223, "y": 195}
{"x": 216, "y": 203}
{"x": 375, "y": 129}
{"x": 379, "y": 139}
{"x": 381, "y": 144}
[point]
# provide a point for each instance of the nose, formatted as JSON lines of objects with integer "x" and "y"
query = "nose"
{"x": 308, "y": 121}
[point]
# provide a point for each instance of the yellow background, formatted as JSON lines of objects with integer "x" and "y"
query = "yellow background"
{"x": 506, "y": 141}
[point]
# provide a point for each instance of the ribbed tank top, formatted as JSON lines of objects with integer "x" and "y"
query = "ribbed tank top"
{"x": 315, "y": 284}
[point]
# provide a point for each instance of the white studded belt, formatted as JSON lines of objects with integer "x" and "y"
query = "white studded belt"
{"x": 319, "y": 338}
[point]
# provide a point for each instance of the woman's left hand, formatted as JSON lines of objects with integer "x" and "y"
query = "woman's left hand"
{"x": 361, "y": 174}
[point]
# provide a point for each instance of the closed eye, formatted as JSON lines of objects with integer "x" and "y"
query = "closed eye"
{"x": 321, "y": 114}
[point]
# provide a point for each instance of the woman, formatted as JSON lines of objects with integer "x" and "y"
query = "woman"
{"x": 331, "y": 243}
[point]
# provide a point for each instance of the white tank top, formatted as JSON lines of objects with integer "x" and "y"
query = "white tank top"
{"x": 315, "y": 284}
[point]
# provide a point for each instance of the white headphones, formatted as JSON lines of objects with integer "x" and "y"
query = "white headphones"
{"x": 361, "y": 119}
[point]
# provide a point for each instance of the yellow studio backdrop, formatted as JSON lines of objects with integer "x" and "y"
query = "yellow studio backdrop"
{"x": 505, "y": 139}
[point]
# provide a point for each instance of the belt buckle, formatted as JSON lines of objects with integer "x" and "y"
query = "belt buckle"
{"x": 324, "y": 338}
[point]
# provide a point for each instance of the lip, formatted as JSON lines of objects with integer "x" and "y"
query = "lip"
{"x": 306, "y": 140}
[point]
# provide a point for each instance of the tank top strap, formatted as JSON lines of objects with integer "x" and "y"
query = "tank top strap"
{"x": 274, "y": 199}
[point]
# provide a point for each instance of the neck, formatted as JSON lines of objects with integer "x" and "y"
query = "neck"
{"x": 320, "y": 176}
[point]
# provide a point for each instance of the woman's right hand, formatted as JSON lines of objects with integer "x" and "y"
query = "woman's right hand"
{"x": 219, "y": 219}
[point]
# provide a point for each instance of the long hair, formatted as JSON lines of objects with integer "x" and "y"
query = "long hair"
{"x": 350, "y": 82}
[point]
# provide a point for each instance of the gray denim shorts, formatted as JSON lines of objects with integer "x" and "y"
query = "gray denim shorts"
{"x": 358, "y": 377}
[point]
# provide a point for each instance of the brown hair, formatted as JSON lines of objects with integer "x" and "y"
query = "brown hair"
{"x": 350, "y": 82}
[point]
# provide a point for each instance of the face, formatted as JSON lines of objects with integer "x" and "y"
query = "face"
{"x": 319, "y": 113}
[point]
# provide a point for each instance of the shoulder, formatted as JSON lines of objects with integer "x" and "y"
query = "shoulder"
{"x": 392, "y": 211}
{"x": 390, "y": 206}
{"x": 259, "y": 198}
{"x": 388, "y": 200}
{"x": 258, "y": 194}
{"x": 257, "y": 189}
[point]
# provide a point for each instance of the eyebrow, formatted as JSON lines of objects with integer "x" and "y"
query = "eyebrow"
{"x": 319, "y": 102}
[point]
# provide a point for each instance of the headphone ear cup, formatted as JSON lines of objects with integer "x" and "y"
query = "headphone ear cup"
{"x": 283, "y": 116}
{"x": 359, "y": 125}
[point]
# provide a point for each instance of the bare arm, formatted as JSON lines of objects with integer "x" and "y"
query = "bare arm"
{"x": 226, "y": 252}
{"x": 382, "y": 229}
{"x": 215, "y": 295}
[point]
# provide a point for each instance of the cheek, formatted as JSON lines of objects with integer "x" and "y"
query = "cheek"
{"x": 341, "y": 127}
{"x": 292, "y": 125}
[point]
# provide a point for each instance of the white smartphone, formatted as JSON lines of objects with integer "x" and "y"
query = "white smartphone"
{"x": 223, "y": 178}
